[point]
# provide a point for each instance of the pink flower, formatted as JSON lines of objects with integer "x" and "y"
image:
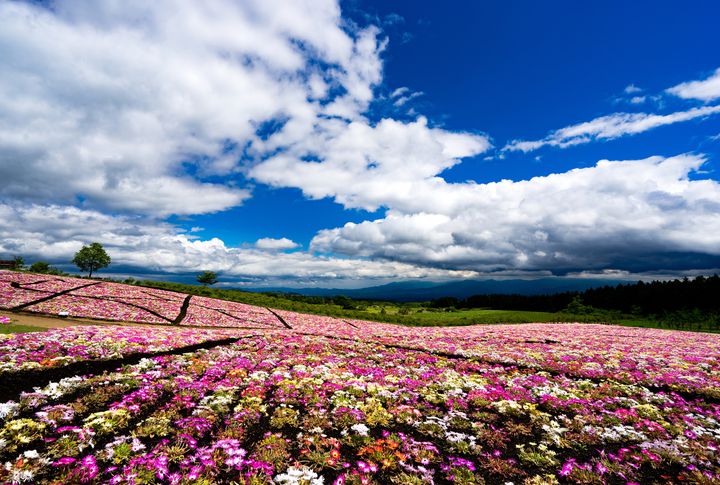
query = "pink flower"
{"x": 66, "y": 460}
{"x": 567, "y": 468}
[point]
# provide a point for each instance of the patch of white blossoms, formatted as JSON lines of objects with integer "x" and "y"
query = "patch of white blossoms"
{"x": 299, "y": 476}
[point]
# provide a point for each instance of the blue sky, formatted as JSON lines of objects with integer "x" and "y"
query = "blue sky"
{"x": 363, "y": 142}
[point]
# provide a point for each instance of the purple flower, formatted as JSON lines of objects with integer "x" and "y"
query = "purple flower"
{"x": 66, "y": 460}
{"x": 567, "y": 468}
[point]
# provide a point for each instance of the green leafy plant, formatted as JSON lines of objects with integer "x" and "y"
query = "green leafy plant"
{"x": 207, "y": 278}
{"x": 91, "y": 258}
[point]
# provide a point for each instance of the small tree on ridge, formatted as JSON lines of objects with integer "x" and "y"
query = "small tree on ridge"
{"x": 207, "y": 278}
{"x": 39, "y": 267}
{"x": 18, "y": 263}
{"x": 91, "y": 258}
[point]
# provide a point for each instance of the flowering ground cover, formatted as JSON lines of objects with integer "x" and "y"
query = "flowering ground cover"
{"x": 250, "y": 395}
{"x": 282, "y": 406}
{"x": 77, "y": 306}
{"x": 56, "y": 285}
{"x": 75, "y": 297}
{"x": 128, "y": 292}
{"x": 61, "y": 346}
{"x": 29, "y": 278}
{"x": 198, "y": 315}
{"x": 22, "y": 288}
{"x": 11, "y": 297}
{"x": 211, "y": 312}
{"x": 316, "y": 323}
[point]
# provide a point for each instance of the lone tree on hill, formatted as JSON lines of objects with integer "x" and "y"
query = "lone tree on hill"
{"x": 39, "y": 267}
{"x": 207, "y": 278}
{"x": 18, "y": 263}
{"x": 91, "y": 258}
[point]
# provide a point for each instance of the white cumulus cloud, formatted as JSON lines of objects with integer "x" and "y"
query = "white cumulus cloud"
{"x": 367, "y": 166}
{"x": 619, "y": 214}
{"x": 55, "y": 233}
{"x": 116, "y": 115}
{"x": 131, "y": 105}
{"x": 705, "y": 90}
{"x": 610, "y": 127}
{"x": 278, "y": 244}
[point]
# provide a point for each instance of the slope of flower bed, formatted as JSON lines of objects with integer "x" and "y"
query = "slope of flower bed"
{"x": 78, "y": 306}
{"x": 11, "y": 297}
{"x": 61, "y": 346}
{"x": 238, "y": 313}
{"x": 27, "y": 278}
{"x": 313, "y": 323}
{"x": 207, "y": 317}
{"x": 314, "y": 409}
{"x": 56, "y": 285}
{"x": 127, "y": 292}
{"x": 282, "y": 397}
{"x": 684, "y": 361}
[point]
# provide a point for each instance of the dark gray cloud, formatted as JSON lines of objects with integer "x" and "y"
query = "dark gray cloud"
{"x": 627, "y": 215}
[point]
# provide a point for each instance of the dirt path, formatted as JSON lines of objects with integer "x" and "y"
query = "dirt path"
{"x": 45, "y": 321}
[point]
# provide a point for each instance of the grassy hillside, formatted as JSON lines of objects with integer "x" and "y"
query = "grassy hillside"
{"x": 449, "y": 313}
{"x": 17, "y": 328}
{"x": 417, "y": 314}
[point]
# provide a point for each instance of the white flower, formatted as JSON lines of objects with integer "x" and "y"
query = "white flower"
{"x": 360, "y": 429}
{"x": 56, "y": 390}
{"x": 8, "y": 409}
{"x": 259, "y": 375}
{"x": 455, "y": 437}
{"x": 137, "y": 445}
{"x": 145, "y": 364}
{"x": 21, "y": 476}
{"x": 299, "y": 476}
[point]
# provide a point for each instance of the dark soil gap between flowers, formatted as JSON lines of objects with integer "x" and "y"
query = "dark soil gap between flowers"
{"x": 15, "y": 383}
{"x": 18, "y": 286}
{"x": 183, "y": 311}
{"x": 349, "y": 323}
{"x": 50, "y": 297}
{"x": 282, "y": 320}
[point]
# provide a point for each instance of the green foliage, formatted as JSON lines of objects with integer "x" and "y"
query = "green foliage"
{"x": 18, "y": 328}
{"x": 18, "y": 263}
{"x": 445, "y": 302}
{"x": 39, "y": 267}
{"x": 207, "y": 278}
{"x": 690, "y": 319}
{"x": 344, "y": 302}
{"x": 576, "y": 307}
{"x": 91, "y": 258}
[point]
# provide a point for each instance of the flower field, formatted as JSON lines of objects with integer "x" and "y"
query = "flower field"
{"x": 60, "y": 347}
{"x": 231, "y": 393}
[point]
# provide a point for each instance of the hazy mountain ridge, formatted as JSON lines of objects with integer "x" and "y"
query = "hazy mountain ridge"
{"x": 426, "y": 290}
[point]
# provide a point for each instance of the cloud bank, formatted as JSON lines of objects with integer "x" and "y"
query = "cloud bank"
{"x": 136, "y": 106}
{"x": 57, "y": 232}
{"x": 704, "y": 90}
{"x": 115, "y": 116}
{"x": 627, "y": 215}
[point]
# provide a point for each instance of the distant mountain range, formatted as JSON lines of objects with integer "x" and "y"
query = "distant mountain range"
{"x": 426, "y": 290}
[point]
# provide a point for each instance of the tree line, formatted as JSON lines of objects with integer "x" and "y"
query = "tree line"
{"x": 654, "y": 298}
